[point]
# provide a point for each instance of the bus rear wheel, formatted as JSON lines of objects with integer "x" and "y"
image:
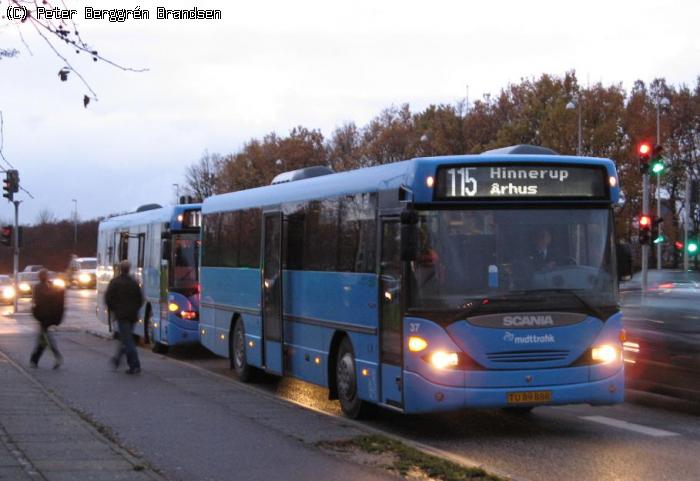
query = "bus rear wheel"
{"x": 346, "y": 382}
{"x": 239, "y": 361}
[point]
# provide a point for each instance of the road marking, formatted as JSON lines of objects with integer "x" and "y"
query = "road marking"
{"x": 637, "y": 428}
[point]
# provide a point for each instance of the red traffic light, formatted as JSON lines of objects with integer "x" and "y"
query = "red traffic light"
{"x": 678, "y": 245}
{"x": 644, "y": 221}
{"x": 644, "y": 148}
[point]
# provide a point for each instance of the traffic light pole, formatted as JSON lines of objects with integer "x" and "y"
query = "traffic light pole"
{"x": 658, "y": 216}
{"x": 686, "y": 221}
{"x": 15, "y": 243}
{"x": 645, "y": 247}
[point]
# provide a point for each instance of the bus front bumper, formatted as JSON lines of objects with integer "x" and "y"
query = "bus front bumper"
{"x": 421, "y": 395}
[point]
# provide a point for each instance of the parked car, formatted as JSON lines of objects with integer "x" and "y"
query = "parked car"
{"x": 82, "y": 272}
{"x": 7, "y": 290}
{"x": 33, "y": 268}
{"x": 662, "y": 350}
{"x": 26, "y": 282}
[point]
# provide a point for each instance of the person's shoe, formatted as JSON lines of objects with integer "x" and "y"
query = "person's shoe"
{"x": 57, "y": 363}
{"x": 114, "y": 363}
{"x": 33, "y": 364}
{"x": 133, "y": 370}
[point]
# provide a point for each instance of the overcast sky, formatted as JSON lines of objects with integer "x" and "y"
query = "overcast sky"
{"x": 271, "y": 65}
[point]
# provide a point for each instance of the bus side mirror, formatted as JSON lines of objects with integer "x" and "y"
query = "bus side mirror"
{"x": 409, "y": 235}
{"x": 624, "y": 262}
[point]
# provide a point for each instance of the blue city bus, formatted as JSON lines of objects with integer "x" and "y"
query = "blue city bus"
{"x": 162, "y": 244}
{"x": 424, "y": 285}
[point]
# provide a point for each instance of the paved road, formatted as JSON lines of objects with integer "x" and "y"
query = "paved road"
{"x": 649, "y": 438}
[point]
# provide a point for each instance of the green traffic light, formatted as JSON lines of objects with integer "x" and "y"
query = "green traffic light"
{"x": 662, "y": 238}
{"x": 657, "y": 167}
{"x": 692, "y": 247}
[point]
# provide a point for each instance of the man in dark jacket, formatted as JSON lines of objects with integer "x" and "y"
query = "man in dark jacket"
{"x": 47, "y": 308}
{"x": 124, "y": 299}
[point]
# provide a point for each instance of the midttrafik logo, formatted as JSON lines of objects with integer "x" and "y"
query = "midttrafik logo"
{"x": 529, "y": 338}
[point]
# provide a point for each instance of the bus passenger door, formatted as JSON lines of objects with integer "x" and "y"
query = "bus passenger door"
{"x": 273, "y": 329}
{"x": 391, "y": 331}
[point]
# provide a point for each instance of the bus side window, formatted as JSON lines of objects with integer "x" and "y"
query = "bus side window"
{"x": 142, "y": 250}
{"x": 165, "y": 249}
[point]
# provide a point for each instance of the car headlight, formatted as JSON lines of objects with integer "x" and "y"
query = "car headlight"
{"x": 24, "y": 287}
{"x": 59, "y": 283}
{"x": 8, "y": 292}
{"x": 605, "y": 353}
{"x": 84, "y": 278}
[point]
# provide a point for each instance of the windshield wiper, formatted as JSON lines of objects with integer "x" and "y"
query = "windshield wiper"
{"x": 472, "y": 306}
{"x": 590, "y": 308}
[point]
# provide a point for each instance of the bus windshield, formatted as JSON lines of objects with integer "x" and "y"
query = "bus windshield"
{"x": 514, "y": 259}
{"x": 185, "y": 272}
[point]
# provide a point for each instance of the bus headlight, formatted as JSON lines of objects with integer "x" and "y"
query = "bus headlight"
{"x": 605, "y": 354}
{"x": 444, "y": 360}
{"x": 8, "y": 292}
{"x": 416, "y": 344}
{"x": 84, "y": 278}
{"x": 173, "y": 307}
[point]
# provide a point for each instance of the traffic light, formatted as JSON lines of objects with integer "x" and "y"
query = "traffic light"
{"x": 644, "y": 229}
{"x": 656, "y": 233}
{"x": 644, "y": 151}
{"x": 658, "y": 165}
{"x": 7, "y": 187}
{"x": 692, "y": 247}
{"x": 678, "y": 245}
{"x": 6, "y": 235}
{"x": 10, "y": 184}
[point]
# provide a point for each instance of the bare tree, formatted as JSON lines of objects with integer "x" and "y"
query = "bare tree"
{"x": 201, "y": 177}
{"x": 61, "y": 36}
{"x": 45, "y": 216}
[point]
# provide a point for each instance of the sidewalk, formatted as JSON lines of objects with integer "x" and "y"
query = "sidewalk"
{"x": 189, "y": 423}
{"x": 41, "y": 439}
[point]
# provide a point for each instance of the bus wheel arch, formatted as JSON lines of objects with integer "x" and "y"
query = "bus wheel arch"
{"x": 338, "y": 337}
{"x": 347, "y": 383}
{"x": 237, "y": 351}
{"x": 149, "y": 329}
{"x": 147, "y": 314}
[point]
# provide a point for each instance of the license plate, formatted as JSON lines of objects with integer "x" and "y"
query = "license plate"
{"x": 529, "y": 397}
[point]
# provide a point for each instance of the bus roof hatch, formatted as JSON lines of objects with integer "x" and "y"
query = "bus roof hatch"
{"x": 305, "y": 173}
{"x": 524, "y": 149}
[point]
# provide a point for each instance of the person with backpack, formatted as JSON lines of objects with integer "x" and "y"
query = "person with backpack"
{"x": 47, "y": 308}
{"x": 124, "y": 299}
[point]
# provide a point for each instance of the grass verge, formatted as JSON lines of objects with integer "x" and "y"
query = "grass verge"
{"x": 406, "y": 461}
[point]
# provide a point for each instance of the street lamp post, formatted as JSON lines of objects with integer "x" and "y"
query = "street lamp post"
{"x": 75, "y": 226}
{"x": 660, "y": 102}
{"x": 575, "y": 103}
{"x": 177, "y": 193}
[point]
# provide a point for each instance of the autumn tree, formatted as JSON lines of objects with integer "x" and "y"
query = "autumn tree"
{"x": 534, "y": 111}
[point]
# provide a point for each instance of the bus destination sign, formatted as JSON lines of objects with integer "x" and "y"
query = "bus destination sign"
{"x": 520, "y": 181}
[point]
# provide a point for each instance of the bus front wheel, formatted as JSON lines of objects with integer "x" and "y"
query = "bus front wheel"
{"x": 346, "y": 381}
{"x": 157, "y": 347}
{"x": 239, "y": 362}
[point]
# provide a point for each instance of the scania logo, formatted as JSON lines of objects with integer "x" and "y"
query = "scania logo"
{"x": 517, "y": 321}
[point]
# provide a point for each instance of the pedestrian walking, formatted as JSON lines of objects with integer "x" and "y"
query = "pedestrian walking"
{"x": 47, "y": 309}
{"x": 124, "y": 299}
